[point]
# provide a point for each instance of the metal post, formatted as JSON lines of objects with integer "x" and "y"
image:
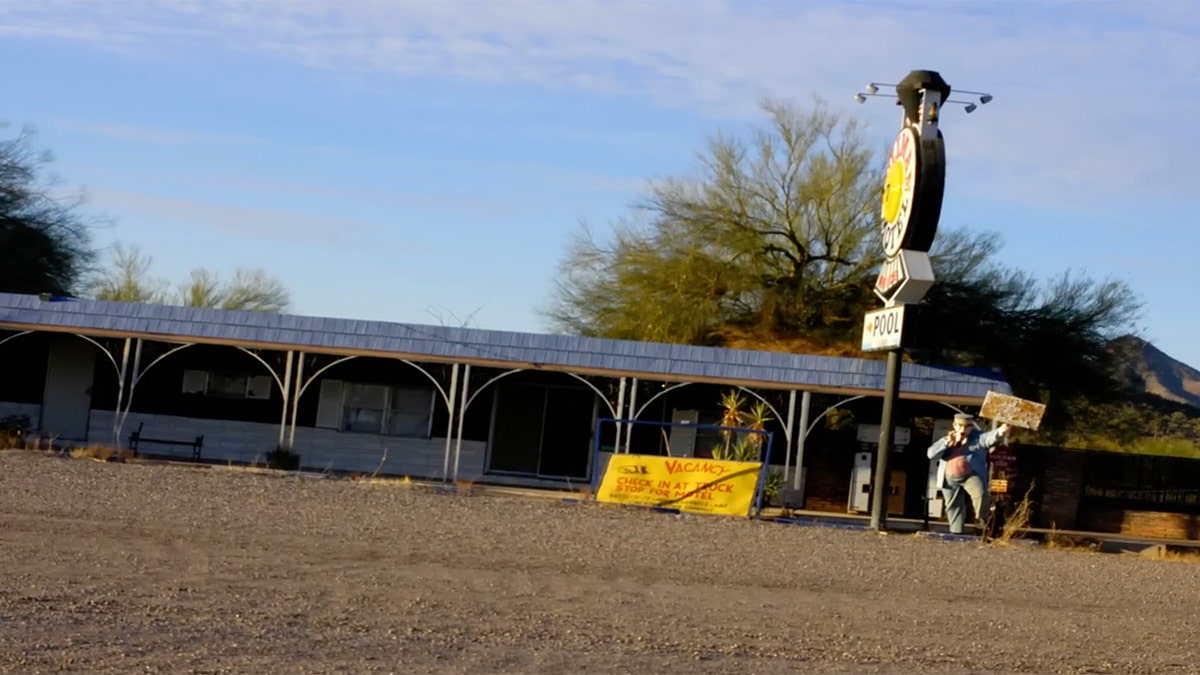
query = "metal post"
{"x": 450, "y": 421}
{"x": 296, "y": 399}
{"x": 462, "y": 414}
{"x": 123, "y": 371}
{"x": 891, "y": 389}
{"x": 620, "y": 415}
{"x": 285, "y": 393}
{"x": 135, "y": 377}
{"x": 805, "y": 407}
{"x": 788, "y": 435}
{"x": 632, "y": 413}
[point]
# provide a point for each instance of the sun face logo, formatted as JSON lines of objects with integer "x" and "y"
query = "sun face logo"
{"x": 899, "y": 186}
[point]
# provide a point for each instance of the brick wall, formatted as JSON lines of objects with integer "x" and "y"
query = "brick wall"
{"x": 1140, "y": 523}
{"x": 827, "y": 470}
{"x": 1062, "y": 487}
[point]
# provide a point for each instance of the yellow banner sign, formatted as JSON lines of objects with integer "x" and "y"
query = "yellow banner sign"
{"x": 684, "y": 483}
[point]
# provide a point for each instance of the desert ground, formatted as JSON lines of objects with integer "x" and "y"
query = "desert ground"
{"x": 139, "y": 567}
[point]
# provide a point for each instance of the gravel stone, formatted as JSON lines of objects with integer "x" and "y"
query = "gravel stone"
{"x": 124, "y": 567}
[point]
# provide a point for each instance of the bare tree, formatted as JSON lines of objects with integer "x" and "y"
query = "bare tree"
{"x": 202, "y": 289}
{"x": 254, "y": 290}
{"x": 128, "y": 278}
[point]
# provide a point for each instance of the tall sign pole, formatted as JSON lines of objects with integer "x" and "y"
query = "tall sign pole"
{"x": 912, "y": 203}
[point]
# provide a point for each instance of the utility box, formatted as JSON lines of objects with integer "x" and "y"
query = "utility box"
{"x": 896, "y": 491}
{"x": 933, "y": 494}
{"x": 682, "y": 439}
{"x": 860, "y": 484}
{"x": 934, "y": 505}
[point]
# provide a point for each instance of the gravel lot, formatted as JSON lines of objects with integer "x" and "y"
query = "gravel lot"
{"x": 117, "y": 568}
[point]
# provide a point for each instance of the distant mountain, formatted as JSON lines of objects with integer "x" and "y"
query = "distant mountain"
{"x": 1145, "y": 368}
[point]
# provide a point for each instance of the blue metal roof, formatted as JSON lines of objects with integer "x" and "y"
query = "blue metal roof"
{"x": 648, "y": 360}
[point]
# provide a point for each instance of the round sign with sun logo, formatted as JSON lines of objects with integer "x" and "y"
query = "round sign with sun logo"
{"x": 899, "y": 191}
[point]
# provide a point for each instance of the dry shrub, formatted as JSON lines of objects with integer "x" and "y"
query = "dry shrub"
{"x": 1018, "y": 520}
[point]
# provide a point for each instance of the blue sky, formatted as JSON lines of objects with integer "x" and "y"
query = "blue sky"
{"x": 429, "y": 161}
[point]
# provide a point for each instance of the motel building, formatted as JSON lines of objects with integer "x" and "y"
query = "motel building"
{"x": 452, "y": 404}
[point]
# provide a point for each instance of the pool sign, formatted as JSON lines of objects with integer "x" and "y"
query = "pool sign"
{"x": 883, "y": 329}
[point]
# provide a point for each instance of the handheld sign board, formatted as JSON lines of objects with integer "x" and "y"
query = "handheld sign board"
{"x": 1017, "y": 412}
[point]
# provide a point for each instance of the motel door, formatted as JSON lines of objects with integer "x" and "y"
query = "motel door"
{"x": 68, "y": 398}
{"x": 542, "y": 431}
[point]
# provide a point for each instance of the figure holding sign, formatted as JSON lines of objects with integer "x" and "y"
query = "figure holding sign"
{"x": 963, "y": 467}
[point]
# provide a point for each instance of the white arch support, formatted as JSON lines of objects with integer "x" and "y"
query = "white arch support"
{"x": 287, "y": 368}
{"x": 120, "y": 372}
{"x": 787, "y": 431}
{"x": 122, "y": 413}
{"x": 111, "y": 359}
{"x": 591, "y": 386}
{"x": 807, "y": 428}
{"x": 639, "y": 411}
{"x": 467, "y": 400}
{"x": 284, "y": 383}
{"x": 303, "y": 383}
{"x": 14, "y": 336}
{"x": 485, "y": 385}
{"x": 302, "y": 386}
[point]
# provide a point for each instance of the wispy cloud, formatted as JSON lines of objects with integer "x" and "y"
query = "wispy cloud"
{"x": 337, "y": 196}
{"x": 1093, "y": 100}
{"x": 143, "y": 134}
{"x": 243, "y": 221}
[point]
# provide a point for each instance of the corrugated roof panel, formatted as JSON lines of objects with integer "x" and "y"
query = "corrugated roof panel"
{"x": 642, "y": 359}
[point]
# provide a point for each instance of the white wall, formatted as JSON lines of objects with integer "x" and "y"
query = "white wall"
{"x": 319, "y": 449}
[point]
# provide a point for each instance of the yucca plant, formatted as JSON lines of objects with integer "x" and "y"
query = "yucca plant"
{"x": 732, "y": 401}
{"x": 756, "y": 419}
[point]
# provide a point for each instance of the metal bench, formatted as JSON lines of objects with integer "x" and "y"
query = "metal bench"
{"x": 136, "y": 438}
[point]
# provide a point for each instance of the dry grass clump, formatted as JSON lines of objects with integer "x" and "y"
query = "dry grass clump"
{"x": 1181, "y": 556}
{"x": 371, "y": 479}
{"x": 1060, "y": 541}
{"x": 100, "y": 453}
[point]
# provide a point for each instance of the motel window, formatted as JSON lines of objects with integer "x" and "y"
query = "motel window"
{"x": 224, "y": 384}
{"x": 376, "y": 408}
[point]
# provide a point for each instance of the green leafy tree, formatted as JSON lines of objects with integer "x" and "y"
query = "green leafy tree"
{"x": 774, "y": 232}
{"x": 45, "y": 244}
